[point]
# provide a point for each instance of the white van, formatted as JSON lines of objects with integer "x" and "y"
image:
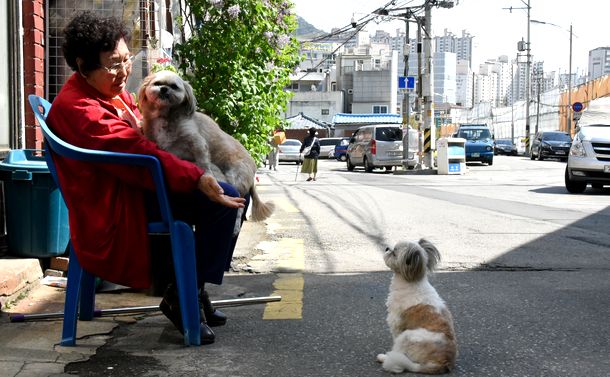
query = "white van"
{"x": 589, "y": 158}
{"x": 375, "y": 146}
{"x": 327, "y": 145}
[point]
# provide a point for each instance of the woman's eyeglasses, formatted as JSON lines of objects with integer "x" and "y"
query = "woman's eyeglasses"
{"x": 116, "y": 67}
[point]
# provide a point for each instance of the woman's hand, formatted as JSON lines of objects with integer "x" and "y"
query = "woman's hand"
{"x": 210, "y": 187}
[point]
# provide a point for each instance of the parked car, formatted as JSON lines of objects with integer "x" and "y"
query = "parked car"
{"x": 589, "y": 157}
{"x": 375, "y": 146}
{"x": 340, "y": 151}
{"x": 479, "y": 142}
{"x": 327, "y": 145}
{"x": 505, "y": 146}
{"x": 551, "y": 144}
{"x": 290, "y": 151}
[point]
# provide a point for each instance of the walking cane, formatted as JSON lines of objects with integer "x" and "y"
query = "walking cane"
{"x": 297, "y": 172}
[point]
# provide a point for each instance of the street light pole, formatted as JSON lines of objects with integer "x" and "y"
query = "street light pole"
{"x": 569, "y": 110}
{"x": 527, "y": 84}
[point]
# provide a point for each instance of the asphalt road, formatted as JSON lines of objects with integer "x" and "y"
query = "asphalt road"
{"x": 525, "y": 271}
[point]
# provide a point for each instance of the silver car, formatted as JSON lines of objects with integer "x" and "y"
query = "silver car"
{"x": 589, "y": 158}
{"x": 375, "y": 146}
{"x": 290, "y": 151}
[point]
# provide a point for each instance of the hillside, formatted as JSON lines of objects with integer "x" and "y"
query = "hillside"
{"x": 307, "y": 30}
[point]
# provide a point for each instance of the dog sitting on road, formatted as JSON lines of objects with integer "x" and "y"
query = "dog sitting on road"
{"x": 419, "y": 320}
{"x": 170, "y": 119}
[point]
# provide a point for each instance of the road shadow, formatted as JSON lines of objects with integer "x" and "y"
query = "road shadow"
{"x": 562, "y": 190}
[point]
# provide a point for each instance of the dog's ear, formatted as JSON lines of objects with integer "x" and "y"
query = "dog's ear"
{"x": 411, "y": 262}
{"x": 190, "y": 102}
{"x": 434, "y": 256}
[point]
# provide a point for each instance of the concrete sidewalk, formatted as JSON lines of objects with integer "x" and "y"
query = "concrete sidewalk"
{"x": 31, "y": 348}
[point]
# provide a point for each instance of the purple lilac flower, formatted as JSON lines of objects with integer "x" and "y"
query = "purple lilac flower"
{"x": 233, "y": 11}
{"x": 282, "y": 41}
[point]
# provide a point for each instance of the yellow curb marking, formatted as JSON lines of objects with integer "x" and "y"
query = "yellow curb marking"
{"x": 288, "y": 285}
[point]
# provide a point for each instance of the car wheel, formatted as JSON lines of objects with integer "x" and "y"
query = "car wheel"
{"x": 540, "y": 158}
{"x": 532, "y": 155}
{"x": 367, "y": 166}
{"x": 490, "y": 162}
{"x": 574, "y": 187}
{"x": 343, "y": 157}
{"x": 350, "y": 167}
{"x": 388, "y": 168}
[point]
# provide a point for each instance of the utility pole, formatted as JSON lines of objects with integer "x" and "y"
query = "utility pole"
{"x": 420, "y": 91}
{"x": 539, "y": 78}
{"x": 406, "y": 113}
{"x": 512, "y": 100}
{"x": 527, "y": 85}
{"x": 428, "y": 90}
{"x": 570, "y": 87}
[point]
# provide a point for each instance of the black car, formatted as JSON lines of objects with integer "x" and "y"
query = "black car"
{"x": 551, "y": 144}
{"x": 505, "y": 146}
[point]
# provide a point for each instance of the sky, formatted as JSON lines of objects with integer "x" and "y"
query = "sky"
{"x": 496, "y": 30}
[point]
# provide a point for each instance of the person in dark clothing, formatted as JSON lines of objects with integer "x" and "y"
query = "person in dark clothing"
{"x": 310, "y": 161}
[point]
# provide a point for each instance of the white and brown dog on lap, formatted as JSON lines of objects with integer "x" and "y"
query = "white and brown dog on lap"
{"x": 419, "y": 320}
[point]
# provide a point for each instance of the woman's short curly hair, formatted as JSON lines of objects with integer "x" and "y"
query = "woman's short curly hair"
{"x": 87, "y": 35}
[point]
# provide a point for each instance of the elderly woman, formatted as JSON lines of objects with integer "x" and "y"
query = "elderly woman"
{"x": 108, "y": 206}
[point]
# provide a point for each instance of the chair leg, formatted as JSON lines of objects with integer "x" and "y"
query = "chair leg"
{"x": 183, "y": 252}
{"x": 87, "y": 296}
{"x": 75, "y": 272}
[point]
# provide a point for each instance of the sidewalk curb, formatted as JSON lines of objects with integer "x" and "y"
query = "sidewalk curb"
{"x": 17, "y": 277}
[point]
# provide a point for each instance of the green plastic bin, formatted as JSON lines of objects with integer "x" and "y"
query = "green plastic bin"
{"x": 36, "y": 215}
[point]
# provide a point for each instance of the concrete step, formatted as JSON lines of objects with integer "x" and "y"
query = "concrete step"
{"x": 17, "y": 276}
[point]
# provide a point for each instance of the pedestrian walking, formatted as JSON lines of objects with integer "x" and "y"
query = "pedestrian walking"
{"x": 278, "y": 138}
{"x": 311, "y": 150}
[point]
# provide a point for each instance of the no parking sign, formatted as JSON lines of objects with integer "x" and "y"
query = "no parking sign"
{"x": 577, "y": 107}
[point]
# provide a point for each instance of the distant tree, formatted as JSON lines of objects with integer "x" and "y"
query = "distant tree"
{"x": 238, "y": 60}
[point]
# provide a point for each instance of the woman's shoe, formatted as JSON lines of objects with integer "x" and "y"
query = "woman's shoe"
{"x": 213, "y": 316}
{"x": 170, "y": 307}
{"x": 309, "y": 179}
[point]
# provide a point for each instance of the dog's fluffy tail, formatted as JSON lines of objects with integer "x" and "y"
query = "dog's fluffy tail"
{"x": 397, "y": 362}
{"x": 260, "y": 210}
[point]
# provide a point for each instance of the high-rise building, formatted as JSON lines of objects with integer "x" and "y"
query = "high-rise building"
{"x": 463, "y": 84}
{"x": 599, "y": 62}
{"x": 461, "y": 46}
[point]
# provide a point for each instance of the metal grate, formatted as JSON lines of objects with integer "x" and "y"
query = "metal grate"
{"x": 59, "y": 12}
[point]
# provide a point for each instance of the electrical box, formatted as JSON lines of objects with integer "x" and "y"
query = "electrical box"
{"x": 451, "y": 155}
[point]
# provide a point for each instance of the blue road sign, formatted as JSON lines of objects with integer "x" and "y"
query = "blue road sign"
{"x": 577, "y": 107}
{"x": 406, "y": 82}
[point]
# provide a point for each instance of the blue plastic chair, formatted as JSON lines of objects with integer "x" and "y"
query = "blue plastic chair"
{"x": 80, "y": 290}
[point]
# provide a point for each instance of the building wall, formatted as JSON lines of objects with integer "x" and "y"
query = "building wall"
{"x": 444, "y": 77}
{"x": 34, "y": 65}
{"x": 314, "y": 104}
{"x": 599, "y": 62}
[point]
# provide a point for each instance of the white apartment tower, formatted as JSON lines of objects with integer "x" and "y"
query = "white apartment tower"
{"x": 599, "y": 62}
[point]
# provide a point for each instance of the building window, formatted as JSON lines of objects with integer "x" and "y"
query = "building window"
{"x": 325, "y": 111}
{"x": 380, "y": 109}
{"x": 294, "y": 86}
